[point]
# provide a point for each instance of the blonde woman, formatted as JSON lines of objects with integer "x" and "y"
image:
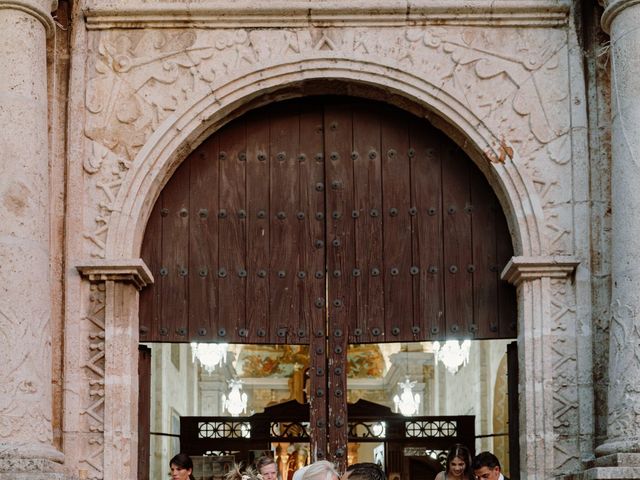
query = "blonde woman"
{"x": 321, "y": 470}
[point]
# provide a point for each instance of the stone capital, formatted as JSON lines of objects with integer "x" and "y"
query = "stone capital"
{"x": 40, "y": 9}
{"x": 612, "y": 9}
{"x": 528, "y": 268}
{"x": 133, "y": 271}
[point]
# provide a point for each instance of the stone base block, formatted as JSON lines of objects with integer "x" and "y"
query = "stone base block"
{"x": 617, "y": 466}
{"x": 619, "y": 460}
{"x": 610, "y": 473}
{"x": 32, "y": 476}
{"x": 30, "y": 468}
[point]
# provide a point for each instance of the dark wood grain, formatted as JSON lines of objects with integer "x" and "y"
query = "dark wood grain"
{"x": 150, "y": 312}
{"x": 426, "y": 188}
{"x": 367, "y": 189}
{"x": 398, "y": 289}
{"x": 175, "y": 257}
{"x": 426, "y": 173}
{"x": 258, "y": 231}
{"x": 485, "y": 280}
{"x": 312, "y": 263}
{"x": 283, "y": 142}
{"x": 340, "y": 262}
{"x": 203, "y": 241}
{"x": 457, "y": 242}
{"x": 232, "y": 232}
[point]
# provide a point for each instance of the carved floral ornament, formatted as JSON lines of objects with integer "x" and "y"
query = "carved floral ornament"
{"x": 514, "y": 81}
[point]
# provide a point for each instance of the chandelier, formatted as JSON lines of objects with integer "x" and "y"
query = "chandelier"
{"x": 407, "y": 402}
{"x": 210, "y": 355}
{"x": 452, "y": 354}
{"x": 236, "y": 402}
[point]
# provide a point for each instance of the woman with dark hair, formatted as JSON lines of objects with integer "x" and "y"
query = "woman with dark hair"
{"x": 181, "y": 467}
{"x": 458, "y": 464}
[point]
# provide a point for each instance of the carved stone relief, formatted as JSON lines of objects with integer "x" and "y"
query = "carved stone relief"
{"x": 566, "y": 418}
{"x": 23, "y": 383}
{"x": 93, "y": 411}
{"x": 624, "y": 407}
{"x": 514, "y": 80}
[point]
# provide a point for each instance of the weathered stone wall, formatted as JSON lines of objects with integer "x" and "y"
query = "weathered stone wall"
{"x": 506, "y": 84}
{"x": 148, "y": 81}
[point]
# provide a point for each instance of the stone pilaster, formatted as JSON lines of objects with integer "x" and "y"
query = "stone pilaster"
{"x": 619, "y": 456}
{"x": 26, "y": 448}
{"x": 122, "y": 281}
{"x": 533, "y": 276}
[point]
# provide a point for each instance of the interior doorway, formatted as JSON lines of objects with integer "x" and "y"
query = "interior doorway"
{"x": 454, "y": 405}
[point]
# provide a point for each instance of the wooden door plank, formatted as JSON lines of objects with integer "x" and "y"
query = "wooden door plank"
{"x": 367, "y": 187}
{"x": 311, "y": 288}
{"x": 485, "y": 280}
{"x": 426, "y": 188}
{"x": 397, "y": 227}
{"x": 175, "y": 256}
{"x": 457, "y": 243}
{"x": 284, "y": 142}
{"x": 144, "y": 411}
{"x": 232, "y": 232}
{"x": 310, "y": 227}
{"x": 258, "y": 232}
{"x": 340, "y": 263}
{"x": 507, "y": 327}
{"x": 150, "y": 298}
{"x": 203, "y": 241}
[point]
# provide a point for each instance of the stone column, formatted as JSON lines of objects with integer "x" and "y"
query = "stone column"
{"x": 622, "y": 448}
{"x": 25, "y": 297}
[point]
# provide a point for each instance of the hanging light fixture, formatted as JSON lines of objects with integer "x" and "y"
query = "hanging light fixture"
{"x": 452, "y": 354}
{"x": 236, "y": 402}
{"x": 407, "y": 402}
{"x": 210, "y": 355}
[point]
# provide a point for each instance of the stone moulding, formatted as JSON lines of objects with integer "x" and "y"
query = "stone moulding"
{"x": 133, "y": 271}
{"x": 40, "y": 9}
{"x": 525, "y": 268}
{"x": 613, "y": 8}
{"x": 525, "y": 13}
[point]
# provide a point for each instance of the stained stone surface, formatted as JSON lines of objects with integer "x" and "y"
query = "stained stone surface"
{"x": 150, "y": 80}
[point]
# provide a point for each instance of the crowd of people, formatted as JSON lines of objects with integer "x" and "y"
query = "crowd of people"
{"x": 460, "y": 465}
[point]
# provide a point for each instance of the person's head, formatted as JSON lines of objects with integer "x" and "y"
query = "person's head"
{"x": 321, "y": 470}
{"x": 297, "y": 475}
{"x": 181, "y": 467}
{"x": 486, "y": 466}
{"x": 459, "y": 461}
{"x": 267, "y": 468}
{"x": 364, "y": 471}
{"x": 237, "y": 473}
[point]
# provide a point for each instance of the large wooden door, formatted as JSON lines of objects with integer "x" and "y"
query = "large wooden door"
{"x": 322, "y": 222}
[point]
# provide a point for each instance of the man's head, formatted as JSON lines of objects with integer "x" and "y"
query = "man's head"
{"x": 486, "y": 466}
{"x": 363, "y": 471}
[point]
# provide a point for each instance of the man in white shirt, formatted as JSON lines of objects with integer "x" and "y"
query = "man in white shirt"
{"x": 486, "y": 466}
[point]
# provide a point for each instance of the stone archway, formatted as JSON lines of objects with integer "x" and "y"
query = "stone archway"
{"x": 177, "y": 136}
{"x": 181, "y": 132}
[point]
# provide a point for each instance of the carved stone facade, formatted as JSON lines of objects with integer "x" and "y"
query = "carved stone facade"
{"x": 149, "y": 80}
